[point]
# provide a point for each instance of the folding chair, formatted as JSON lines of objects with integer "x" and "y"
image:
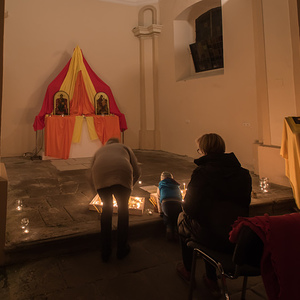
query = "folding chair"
{"x": 245, "y": 260}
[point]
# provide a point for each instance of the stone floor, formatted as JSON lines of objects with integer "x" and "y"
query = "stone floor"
{"x": 149, "y": 272}
{"x": 56, "y": 194}
{"x": 59, "y": 257}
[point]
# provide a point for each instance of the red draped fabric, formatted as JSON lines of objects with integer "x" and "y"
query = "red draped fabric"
{"x": 100, "y": 86}
{"x": 107, "y": 127}
{"x": 58, "y": 136}
{"x": 47, "y": 107}
{"x": 80, "y": 104}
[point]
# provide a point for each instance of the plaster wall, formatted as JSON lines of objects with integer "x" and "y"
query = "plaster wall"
{"x": 39, "y": 39}
{"x": 222, "y": 103}
{"x": 272, "y": 165}
{"x": 277, "y": 77}
{"x": 279, "y": 65}
{"x": 38, "y": 44}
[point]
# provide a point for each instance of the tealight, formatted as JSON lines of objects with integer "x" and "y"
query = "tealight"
{"x": 135, "y": 205}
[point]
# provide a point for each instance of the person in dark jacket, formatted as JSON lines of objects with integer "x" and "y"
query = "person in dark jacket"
{"x": 170, "y": 200}
{"x": 218, "y": 193}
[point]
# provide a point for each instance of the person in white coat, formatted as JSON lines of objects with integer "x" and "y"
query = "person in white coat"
{"x": 114, "y": 171}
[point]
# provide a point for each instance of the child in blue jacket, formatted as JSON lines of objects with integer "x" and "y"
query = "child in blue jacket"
{"x": 170, "y": 199}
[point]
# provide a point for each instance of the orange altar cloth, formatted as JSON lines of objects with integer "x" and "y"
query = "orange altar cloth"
{"x": 59, "y": 132}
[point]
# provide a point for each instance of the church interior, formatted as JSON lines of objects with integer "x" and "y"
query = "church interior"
{"x": 155, "y": 73}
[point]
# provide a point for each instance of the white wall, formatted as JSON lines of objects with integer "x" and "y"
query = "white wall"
{"x": 279, "y": 64}
{"x": 219, "y": 103}
{"x": 39, "y": 39}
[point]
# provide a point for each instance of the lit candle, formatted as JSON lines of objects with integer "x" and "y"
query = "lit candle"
{"x": 184, "y": 186}
{"x": 19, "y": 204}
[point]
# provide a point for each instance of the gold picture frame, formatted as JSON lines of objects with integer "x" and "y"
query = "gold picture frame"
{"x": 61, "y": 104}
{"x": 101, "y": 104}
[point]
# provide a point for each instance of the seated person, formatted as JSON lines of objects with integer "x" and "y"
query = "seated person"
{"x": 169, "y": 203}
{"x": 218, "y": 193}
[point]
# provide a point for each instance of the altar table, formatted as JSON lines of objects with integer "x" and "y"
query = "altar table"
{"x": 61, "y": 131}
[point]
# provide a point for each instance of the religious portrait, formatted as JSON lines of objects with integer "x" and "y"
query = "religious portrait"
{"x": 101, "y": 104}
{"x": 61, "y": 103}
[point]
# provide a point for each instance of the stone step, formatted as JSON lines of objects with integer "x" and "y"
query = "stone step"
{"x": 37, "y": 249}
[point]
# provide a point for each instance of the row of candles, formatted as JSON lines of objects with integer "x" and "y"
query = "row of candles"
{"x": 24, "y": 221}
{"x": 134, "y": 202}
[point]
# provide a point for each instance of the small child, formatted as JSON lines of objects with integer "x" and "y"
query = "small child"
{"x": 170, "y": 200}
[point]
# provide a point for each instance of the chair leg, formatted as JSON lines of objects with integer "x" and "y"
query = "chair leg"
{"x": 244, "y": 288}
{"x": 193, "y": 271}
{"x": 224, "y": 286}
{"x": 223, "y": 281}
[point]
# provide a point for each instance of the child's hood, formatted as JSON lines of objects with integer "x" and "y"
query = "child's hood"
{"x": 169, "y": 181}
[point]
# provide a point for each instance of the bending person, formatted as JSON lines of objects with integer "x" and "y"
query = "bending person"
{"x": 218, "y": 192}
{"x": 114, "y": 170}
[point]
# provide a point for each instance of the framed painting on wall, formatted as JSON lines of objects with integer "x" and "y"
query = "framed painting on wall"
{"x": 61, "y": 103}
{"x": 101, "y": 104}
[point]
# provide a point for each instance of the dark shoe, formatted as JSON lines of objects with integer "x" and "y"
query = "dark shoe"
{"x": 212, "y": 287}
{"x": 105, "y": 254}
{"x": 121, "y": 253}
{"x": 183, "y": 272}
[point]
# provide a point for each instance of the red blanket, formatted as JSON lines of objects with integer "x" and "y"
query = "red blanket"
{"x": 280, "y": 263}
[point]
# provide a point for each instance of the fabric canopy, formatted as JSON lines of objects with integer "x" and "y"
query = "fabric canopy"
{"x": 82, "y": 84}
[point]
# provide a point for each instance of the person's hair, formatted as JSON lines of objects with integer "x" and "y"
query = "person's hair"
{"x": 113, "y": 140}
{"x": 211, "y": 143}
{"x": 165, "y": 174}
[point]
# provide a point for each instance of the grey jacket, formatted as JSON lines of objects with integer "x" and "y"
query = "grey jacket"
{"x": 114, "y": 164}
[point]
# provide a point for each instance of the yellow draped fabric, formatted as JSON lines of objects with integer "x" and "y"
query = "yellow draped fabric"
{"x": 290, "y": 151}
{"x": 91, "y": 128}
{"x": 77, "y": 65}
{"x": 77, "y": 129}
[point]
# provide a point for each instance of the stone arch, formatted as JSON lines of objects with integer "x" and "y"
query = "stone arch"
{"x": 142, "y": 12}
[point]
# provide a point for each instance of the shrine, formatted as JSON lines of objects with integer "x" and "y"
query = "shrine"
{"x": 78, "y": 105}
